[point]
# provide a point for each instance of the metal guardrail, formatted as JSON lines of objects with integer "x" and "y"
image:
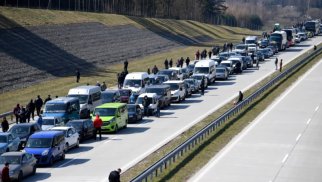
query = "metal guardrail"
{"x": 7, "y": 114}
{"x": 190, "y": 143}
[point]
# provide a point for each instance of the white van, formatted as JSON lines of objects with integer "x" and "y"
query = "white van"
{"x": 207, "y": 68}
{"x": 178, "y": 72}
{"x": 136, "y": 82}
{"x": 251, "y": 40}
{"x": 178, "y": 91}
{"x": 89, "y": 97}
{"x": 229, "y": 65}
{"x": 153, "y": 97}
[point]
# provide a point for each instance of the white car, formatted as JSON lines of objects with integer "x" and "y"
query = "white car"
{"x": 154, "y": 102}
{"x": 178, "y": 72}
{"x": 71, "y": 136}
{"x": 50, "y": 122}
{"x": 178, "y": 90}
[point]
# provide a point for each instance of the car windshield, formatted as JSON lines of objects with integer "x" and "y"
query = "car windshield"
{"x": 197, "y": 77}
{"x": 46, "y": 121}
{"x": 82, "y": 98}
{"x": 132, "y": 83}
{"x": 140, "y": 100}
{"x": 108, "y": 97}
{"x": 77, "y": 125}
{"x": 19, "y": 130}
{"x": 125, "y": 92}
{"x": 161, "y": 78}
{"x": 220, "y": 70}
{"x": 57, "y": 107}
{"x": 105, "y": 111}
{"x": 190, "y": 81}
{"x": 225, "y": 64}
{"x": 3, "y": 139}
{"x": 10, "y": 159}
{"x": 39, "y": 143}
{"x": 184, "y": 70}
{"x": 158, "y": 91}
{"x": 191, "y": 66}
{"x": 240, "y": 46}
{"x": 275, "y": 38}
{"x": 165, "y": 72}
{"x": 173, "y": 86}
{"x": 131, "y": 108}
{"x": 253, "y": 41}
{"x": 202, "y": 70}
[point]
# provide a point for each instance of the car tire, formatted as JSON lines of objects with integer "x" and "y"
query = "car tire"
{"x": 66, "y": 147}
{"x": 125, "y": 124}
{"x": 77, "y": 144}
{"x": 116, "y": 129}
{"x": 20, "y": 176}
{"x": 62, "y": 156}
{"x": 51, "y": 161}
{"x": 34, "y": 169}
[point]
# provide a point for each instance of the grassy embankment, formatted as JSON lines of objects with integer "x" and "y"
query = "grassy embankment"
{"x": 195, "y": 159}
{"x": 194, "y": 31}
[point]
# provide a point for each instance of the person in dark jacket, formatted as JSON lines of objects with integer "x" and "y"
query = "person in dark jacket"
{"x": 5, "y": 177}
{"x": 187, "y": 61}
{"x": 148, "y": 71}
{"x": 126, "y": 64}
{"x": 103, "y": 86}
{"x": 23, "y": 115}
{"x": 77, "y": 75}
{"x": 38, "y": 104}
{"x": 181, "y": 61}
{"x": 166, "y": 64}
{"x": 115, "y": 176}
{"x": 47, "y": 99}
{"x": 16, "y": 112}
{"x": 155, "y": 69}
{"x": 39, "y": 121}
{"x": 5, "y": 125}
{"x": 170, "y": 63}
{"x": 31, "y": 108}
{"x": 146, "y": 103}
{"x": 202, "y": 86}
{"x": 240, "y": 97}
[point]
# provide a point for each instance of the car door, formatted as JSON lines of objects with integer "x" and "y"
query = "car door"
{"x": 90, "y": 129}
{"x": 25, "y": 167}
{"x": 138, "y": 112}
{"x": 118, "y": 118}
{"x": 74, "y": 135}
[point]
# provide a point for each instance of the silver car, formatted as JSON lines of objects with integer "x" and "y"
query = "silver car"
{"x": 21, "y": 164}
{"x": 8, "y": 142}
{"x": 221, "y": 73}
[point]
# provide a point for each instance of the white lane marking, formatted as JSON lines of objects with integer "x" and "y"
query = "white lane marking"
{"x": 237, "y": 138}
{"x": 285, "y": 158}
{"x": 317, "y": 108}
{"x": 308, "y": 121}
{"x": 298, "y": 137}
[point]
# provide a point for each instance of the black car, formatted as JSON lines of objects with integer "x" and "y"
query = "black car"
{"x": 23, "y": 131}
{"x": 135, "y": 113}
{"x": 84, "y": 127}
{"x": 111, "y": 96}
{"x": 163, "y": 93}
{"x": 171, "y": 74}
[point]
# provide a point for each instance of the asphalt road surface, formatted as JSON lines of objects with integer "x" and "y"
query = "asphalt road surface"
{"x": 95, "y": 159}
{"x": 284, "y": 144}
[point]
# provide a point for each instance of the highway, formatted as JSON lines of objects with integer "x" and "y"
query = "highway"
{"x": 284, "y": 143}
{"x": 95, "y": 159}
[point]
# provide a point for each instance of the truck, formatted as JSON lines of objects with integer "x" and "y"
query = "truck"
{"x": 279, "y": 38}
{"x": 312, "y": 26}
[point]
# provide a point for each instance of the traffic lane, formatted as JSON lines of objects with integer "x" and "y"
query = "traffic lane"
{"x": 262, "y": 150}
{"x": 126, "y": 150}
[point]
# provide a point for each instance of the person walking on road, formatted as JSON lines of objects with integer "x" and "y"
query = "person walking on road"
{"x": 115, "y": 175}
{"x": 281, "y": 65}
{"x": 47, "y": 99}
{"x": 5, "y": 125}
{"x": 77, "y": 75}
{"x": 38, "y": 104}
{"x": 39, "y": 120}
{"x": 187, "y": 61}
{"x": 31, "y": 108}
{"x": 202, "y": 86}
{"x": 166, "y": 64}
{"x": 103, "y": 86}
{"x": 23, "y": 115}
{"x": 146, "y": 103}
{"x": 276, "y": 63}
{"x": 16, "y": 112}
{"x": 155, "y": 69}
{"x": 5, "y": 177}
{"x": 126, "y": 64}
{"x": 170, "y": 63}
{"x": 98, "y": 126}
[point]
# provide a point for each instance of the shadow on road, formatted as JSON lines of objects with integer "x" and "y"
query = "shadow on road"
{"x": 293, "y": 50}
{"x": 72, "y": 162}
{"x": 130, "y": 130}
{"x": 224, "y": 83}
{"x": 190, "y": 101}
{"x": 40, "y": 176}
{"x": 80, "y": 149}
{"x": 178, "y": 106}
{"x": 302, "y": 45}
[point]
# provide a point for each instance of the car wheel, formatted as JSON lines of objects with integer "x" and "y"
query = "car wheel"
{"x": 62, "y": 156}
{"x": 116, "y": 129}
{"x": 66, "y": 147}
{"x": 34, "y": 170}
{"x": 51, "y": 161}
{"x": 125, "y": 124}
{"x": 20, "y": 176}
{"x": 77, "y": 144}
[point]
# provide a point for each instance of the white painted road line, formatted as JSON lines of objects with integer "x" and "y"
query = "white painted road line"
{"x": 298, "y": 137}
{"x": 317, "y": 108}
{"x": 285, "y": 158}
{"x": 308, "y": 121}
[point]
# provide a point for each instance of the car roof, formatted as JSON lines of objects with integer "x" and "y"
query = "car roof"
{"x": 111, "y": 105}
{"x": 4, "y": 134}
{"x": 110, "y": 91}
{"x": 79, "y": 120}
{"x": 24, "y": 124}
{"x": 148, "y": 95}
{"x": 60, "y": 128}
{"x": 158, "y": 86}
{"x": 62, "y": 100}
{"x": 46, "y": 134}
{"x": 173, "y": 81}
{"x": 13, "y": 153}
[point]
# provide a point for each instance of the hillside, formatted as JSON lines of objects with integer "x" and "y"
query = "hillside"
{"x": 38, "y": 47}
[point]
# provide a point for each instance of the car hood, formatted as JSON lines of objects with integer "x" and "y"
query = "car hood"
{"x": 131, "y": 113}
{"x": 106, "y": 118}
{"x": 3, "y": 145}
{"x": 47, "y": 127}
{"x": 36, "y": 151}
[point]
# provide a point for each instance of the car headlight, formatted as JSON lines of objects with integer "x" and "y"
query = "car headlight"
{"x": 112, "y": 120}
{"x": 176, "y": 93}
{"x": 45, "y": 152}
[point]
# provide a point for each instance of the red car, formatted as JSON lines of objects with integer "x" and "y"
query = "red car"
{"x": 125, "y": 95}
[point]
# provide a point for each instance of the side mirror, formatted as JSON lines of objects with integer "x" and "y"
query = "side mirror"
{"x": 90, "y": 102}
{"x": 181, "y": 89}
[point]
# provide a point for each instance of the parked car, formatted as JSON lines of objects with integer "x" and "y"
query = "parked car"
{"x": 270, "y": 51}
{"x": 274, "y": 48}
{"x": 125, "y": 95}
{"x": 297, "y": 38}
{"x": 154, "y": 102}
{"x": 172, "y": 74}
{"x": 162, "y": 78}
{"x": 152, "y": 79}
{"x": 198, "y": 78}
{"x": 23, "y": 131}
{"x": 185, "y": 73}
{"x": 22, "y": 164}
{"x": 259, "y": 56}
{"x": 9, "y": 142}
{"x": 50, "y": 122}
{"x": 193, "y": 83}
{"x": 84, "y": 127}
{"x": 302, "y": 35}
{"x": 178, "y": 92}
{"x": 163, "y": 94}
{"x": 263, "y": 43}
{"x": 190, "y": 69}
{"x": 188, "y": 88}
{"x": 221, "y": 73}
{"x": 46, "y": 146}
{"x": 135, "y": 113}
{"x": 108, "y": 96}
{"x": 228, "y": 65}
{"x": 113, "y": 115}
{"x": 71, "y": 136}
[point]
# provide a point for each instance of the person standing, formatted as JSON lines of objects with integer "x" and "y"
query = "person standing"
{"x": 240, "y": 97}
{"x": 98, "y": 123}
{"x": 126, "y": 64}
{"x": 31, "y": 109}
{"x": 38, "y": 104}
{"x": 170, "y": 63}
{"x": 187, "y": 61}
{"x": 197, "y": 55}
{"x": 119, "y": 80}
{"x": 39, "y": 120}
{"x": 155, "y": 69}
{"x": 103, "y": 86}
{"x": 146, "y": 104}
{"x": 5, "y": 177}
{"x": 23, "y": 115}
{"x": 77, "y": 75}
{"x": 202, "y": 86}
{"x": 47, "y": 99}
{"x": 209, "y": 54}
{"x": 181, "y": 62}
{"x": 148, "y": 71}
{"x": 5, "y": 125}
{"x": 115, "y": 175}
{"x": 16, "y": 112}
{"x": 276, "y": 63}
{"x": 166, "y": 64}
{"x": 281, "y": 65}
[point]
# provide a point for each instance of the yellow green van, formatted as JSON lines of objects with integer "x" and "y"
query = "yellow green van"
{"x": 113, "y": 115}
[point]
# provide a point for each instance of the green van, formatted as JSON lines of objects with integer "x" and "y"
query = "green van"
{"x": 113, "y": 115}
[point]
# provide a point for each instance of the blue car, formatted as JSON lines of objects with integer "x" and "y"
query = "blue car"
{"x": 8, "y": 142}
{"x": 46, "y": 146}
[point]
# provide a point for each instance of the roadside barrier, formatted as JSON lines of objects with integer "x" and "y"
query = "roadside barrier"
{"x": 158, "y": 167}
